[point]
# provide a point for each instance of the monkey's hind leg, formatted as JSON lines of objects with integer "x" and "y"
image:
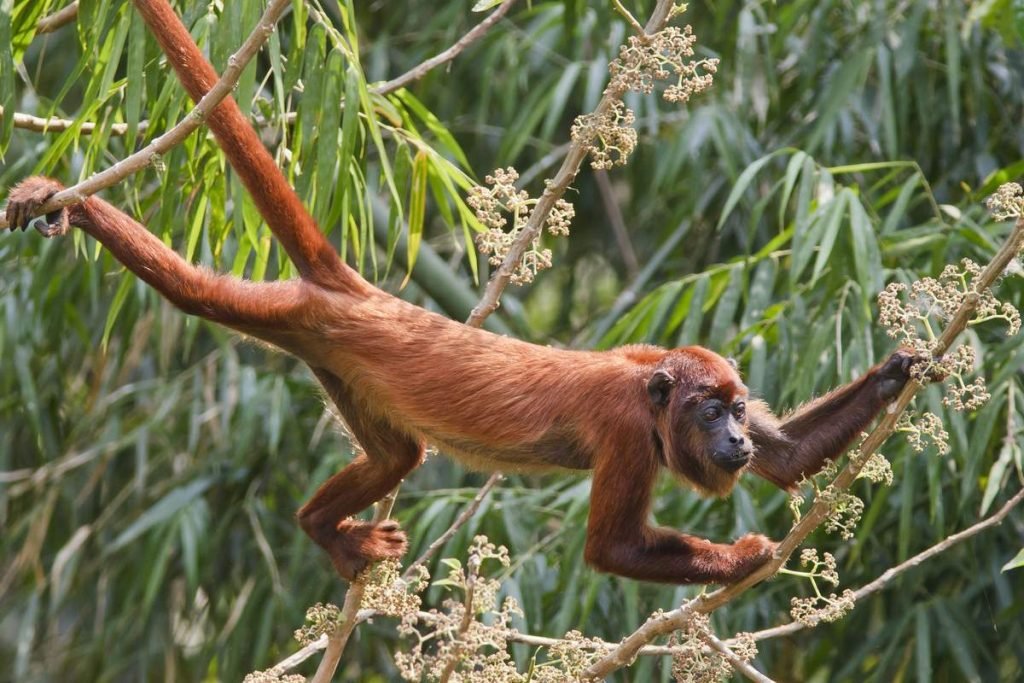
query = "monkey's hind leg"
{"x": 388, "y": 456}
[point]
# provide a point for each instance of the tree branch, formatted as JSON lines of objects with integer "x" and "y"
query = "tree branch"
{"x": 667, "y": 622}
{"x": 138, "y": 161}
{"x": 448, "y": 55}
{"x": 740, "y": 665}
{"x": 58, "y": 19}
{"x": 465, "y": 516}
{"x": 55, "y": 124}
{"x": 888, "y": 575}
{"x": 553, "y": 191}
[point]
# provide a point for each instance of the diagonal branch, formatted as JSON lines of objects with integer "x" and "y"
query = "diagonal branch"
{"x": 448, "y": 55}
{"x": 141, "y": 159}
{"x": 59, "y": 19}
{"x": 666, "y": 622}
{"x": 554, "y": 189}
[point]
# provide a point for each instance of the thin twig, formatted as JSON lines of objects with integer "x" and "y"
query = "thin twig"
{"x": 58, "y": 19}
{"x": 448, "y": 55}
{"x": 55, "y": 124}
{"x": 618, "y": 222}
{"x": 739, "y": 664}
{"x": 553, "y": 191}
{"x": 628, "y": 16}
{"x": 141, "y": 159}
{"x": 667, "y": 622}
{"x": 465, "y": 516}
{"x": 298, "y": 657}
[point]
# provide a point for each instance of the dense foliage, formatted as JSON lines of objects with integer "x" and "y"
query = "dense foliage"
{"x": 150, "y": 464}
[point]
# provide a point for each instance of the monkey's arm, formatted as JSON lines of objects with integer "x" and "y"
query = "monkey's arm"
{"x": 799, "y": 444}
{"x": 620, "y": 541}
{"x": 248, "y": 306}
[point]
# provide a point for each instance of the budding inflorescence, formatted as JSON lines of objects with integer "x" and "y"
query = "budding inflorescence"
{"x": 812, "y": 610}
{"x": 1007, "y": 202}
{"x": 694, "y": 662}
{"x": 452, "y": 643}
{"x": 910, "y": 312}
{"x": 845, "y": 511}
{"x": 500, "y": 197}
{"x": 320, "y": 619}
{"x": 923, "y": 428}
{"x": 608, "y": 136}
{"x": 663, "y": 55}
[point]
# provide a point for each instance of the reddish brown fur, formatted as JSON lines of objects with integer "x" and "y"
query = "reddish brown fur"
{"x": 402, "y": 377}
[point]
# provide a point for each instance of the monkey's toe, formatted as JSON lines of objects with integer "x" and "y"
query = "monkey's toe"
{"x": 24, "y": 202}
{"x": 356, "y": 545}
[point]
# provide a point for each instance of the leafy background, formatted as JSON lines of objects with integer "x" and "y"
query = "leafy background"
{"x": 151, "y": 464}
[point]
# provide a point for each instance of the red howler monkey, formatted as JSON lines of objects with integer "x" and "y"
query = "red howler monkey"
{"x": 402, "y": 377}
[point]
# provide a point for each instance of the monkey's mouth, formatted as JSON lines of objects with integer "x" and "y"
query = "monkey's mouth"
{"x": 731, "y": 461}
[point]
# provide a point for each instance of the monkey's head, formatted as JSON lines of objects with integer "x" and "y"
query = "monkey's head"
{"x": 699, "y": 403}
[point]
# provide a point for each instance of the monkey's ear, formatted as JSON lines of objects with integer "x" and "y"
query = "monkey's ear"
{"x": 659, "y": 387}
{"x": 733, "y": 363}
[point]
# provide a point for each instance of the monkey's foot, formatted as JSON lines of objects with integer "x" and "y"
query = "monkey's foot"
{"x": 751, "y": 552}
{"x": 357, "y": 545}
{"x": 23, "y": 205}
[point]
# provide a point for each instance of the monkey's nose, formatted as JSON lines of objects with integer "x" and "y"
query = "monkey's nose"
{"x": 736, "y": 440}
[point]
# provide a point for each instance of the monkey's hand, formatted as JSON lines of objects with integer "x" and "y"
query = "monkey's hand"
{"x": 23, "y": 205}
{"x": 893, "y": 374}
{"x": 751, "y": 553}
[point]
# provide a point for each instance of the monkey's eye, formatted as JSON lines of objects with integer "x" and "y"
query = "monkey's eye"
{"x": 739, "y": 411}
{"x": 711, "y": 413}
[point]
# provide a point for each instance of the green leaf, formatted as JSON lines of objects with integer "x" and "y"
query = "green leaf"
{"x": 164, "y": 509}
{"x": 1016, "y": 563}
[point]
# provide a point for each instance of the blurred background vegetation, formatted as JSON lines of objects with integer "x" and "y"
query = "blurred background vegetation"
{"x": 151, "y": 464}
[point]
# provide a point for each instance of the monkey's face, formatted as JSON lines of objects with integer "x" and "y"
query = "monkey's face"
{"x": 701, "y": 422}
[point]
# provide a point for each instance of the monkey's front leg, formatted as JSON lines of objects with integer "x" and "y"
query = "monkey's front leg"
{"x": 619, "y": 540}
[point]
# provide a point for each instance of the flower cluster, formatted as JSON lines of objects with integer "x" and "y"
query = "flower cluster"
{"x": 908, "y": 314}
{"x": 500, "y": 197}
{"x": 568, "y": 659}
{"x": 271, "y": 677}
{"x": 876, "y": 469}
{"x": 451, "y": 643}
{"x": 386, "y": 592}
{"x": 608, "y": 136}
{"x": 922, "y": 429}
{"x": 1007, "y": 202}
{"x": 694, "y": 662}
{"x": 660, "y": 56}
{"x": 320, "y": 619}
{"x": 845, "y": 510}
{"x": 812, "y": 611}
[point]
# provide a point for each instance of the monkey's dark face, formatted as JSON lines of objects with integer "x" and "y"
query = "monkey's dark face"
{"x": 725, "y": 424}
{"x": 700, "y": 410}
